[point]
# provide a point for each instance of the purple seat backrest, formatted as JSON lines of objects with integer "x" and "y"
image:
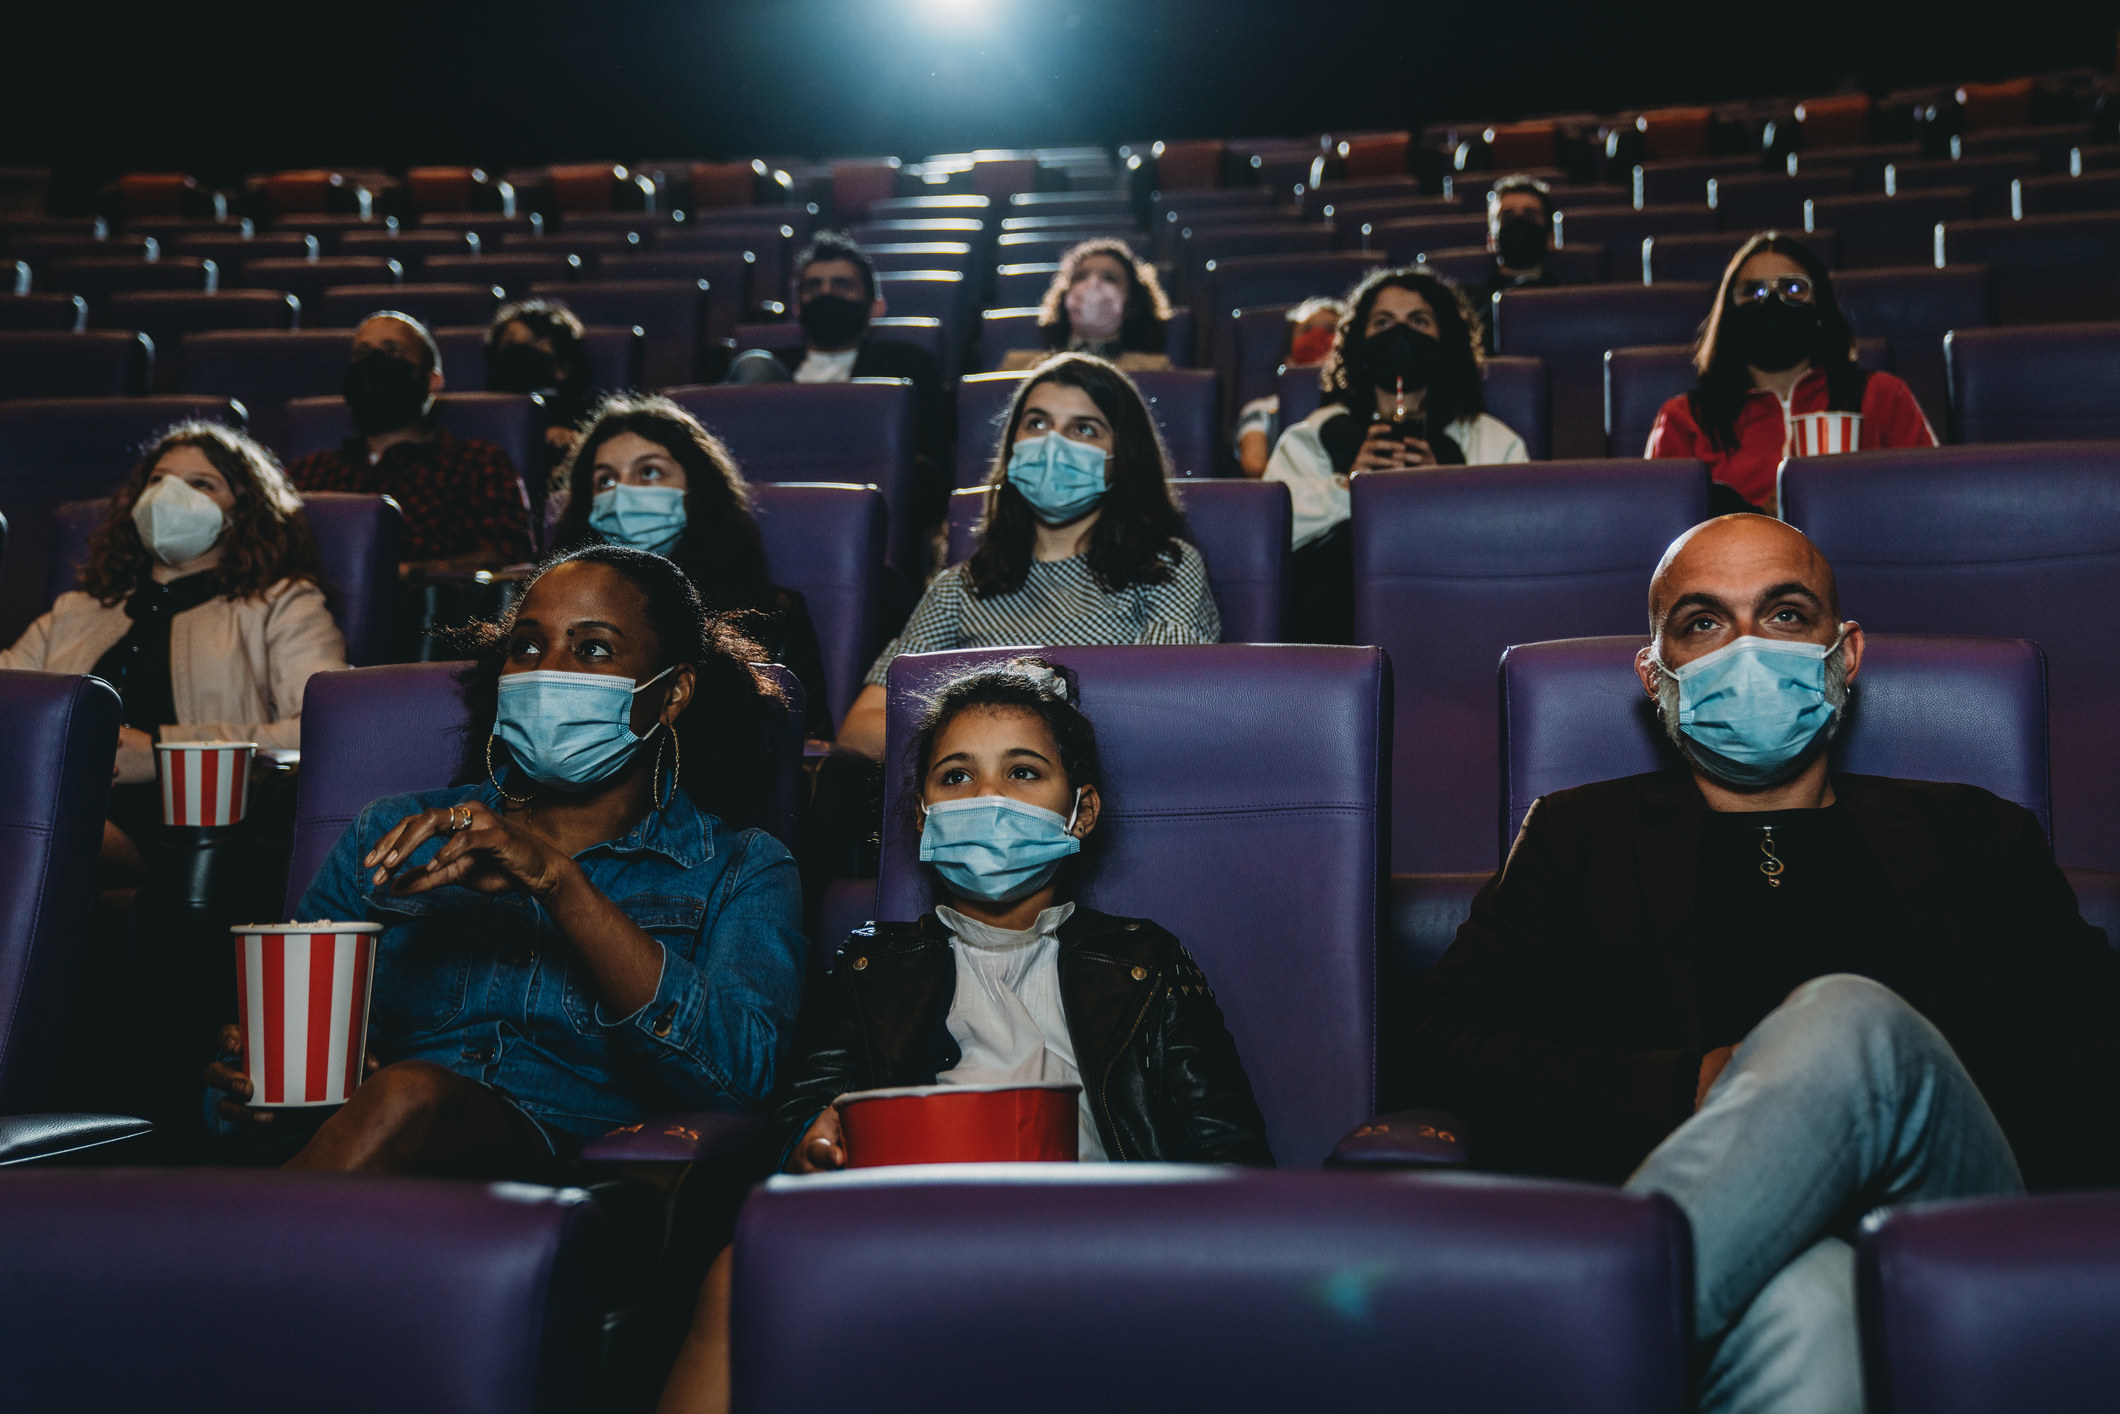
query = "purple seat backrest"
{"x": 615, "y": 355}
{"x": 54, "y": 784}
{"x": 1702, "y": 256}
{"x": 1624, "y": 228}
{"x": 825, "y": 541}
{"x": 1890, "y": 230}
{"x": 1453, "y": 566}
{"x": 1248, "y": 281}
{"x": 357, "y": 542}
{"x": 1261, "y": 337}
{"x": 982, "y": 407}
{"x": 676, "y": 315}
{"x": 513, "y": 268}
{"x": 1246, "y": 811}
{"x": 435, "y": 305}
{"x": 1240, "y": 528}
{"x": 942, "y": 295}
{"x": 1022, "y": 282}
{"x": 1966, "y": 1306}
{"x": 1757, "y": 201}
{"x": 1639, "y": 381}
{"x": 41, "y": 313}
{"x": 2048, "y": 269}
{"x": 859, "y": 432}
{"x": 1924, "y": 708}
{"x": 2017, "y": 541}
{"x": 263, "y": 368}
{"x": 2051, "y": 383}
{"x": 1496, "y": 1294}
{"x": 1683, "y": 181}
{"x": 1402, "y": 240}
{"x": 1914, "y": 309}
{"x": 166, "y": 316}
{"x": 1572, "y": 328}
{"x": 94, "y": 363}
{"x": 54, "y": 450}
{"x": 507, "y": 420}
{"x": 1989, "y": 176}
{"x": 372, "y": 732}
{"x": 485, "y": 1295}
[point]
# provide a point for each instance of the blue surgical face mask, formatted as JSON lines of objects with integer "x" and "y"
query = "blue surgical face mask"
{"x": 570, "y": 729}
{"x": 995, "y": 848}
{"x": 1062, "y": 479}
{"x": 647, "y": 518}
{"x": 1749, "y": 713}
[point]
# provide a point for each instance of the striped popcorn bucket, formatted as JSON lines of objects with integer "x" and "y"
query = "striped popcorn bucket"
{"x": 204, "y": 782}
{"x": 302, "y": 1001}
{"x": 1824, "y": 434}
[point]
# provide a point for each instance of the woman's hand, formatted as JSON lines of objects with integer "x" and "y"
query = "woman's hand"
{"x": 823, "y": 1147}
{"x": 483, "y": 852}
{"x": 135, "y": 765}
{"x": 1382, "y": 451}
{"x": 223, "y": 1076}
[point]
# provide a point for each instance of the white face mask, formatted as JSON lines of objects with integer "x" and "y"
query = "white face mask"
{"x": 177, "y": 522}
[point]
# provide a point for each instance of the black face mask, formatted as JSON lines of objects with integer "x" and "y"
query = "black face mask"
{"x": 1401, "y": 355}
{"x": 1520, "y": 241}
{"x": 521, "y": 368}
{"x": 833, "y": 321}
{"x": 384, "y": 393}
{"x": 1772, "y": 335}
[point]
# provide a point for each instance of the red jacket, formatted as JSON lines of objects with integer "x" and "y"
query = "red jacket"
{"x": 1890, "y": 418}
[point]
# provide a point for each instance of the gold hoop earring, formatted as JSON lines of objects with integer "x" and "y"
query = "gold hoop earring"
{"x": 494, "y": 782}
{"x": 677, "y": 766}
{"x": 655, "y": 781}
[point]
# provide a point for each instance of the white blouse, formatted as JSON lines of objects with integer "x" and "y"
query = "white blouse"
{"x": 1007, "y": 1017}
{"x": 1319, "y": 493}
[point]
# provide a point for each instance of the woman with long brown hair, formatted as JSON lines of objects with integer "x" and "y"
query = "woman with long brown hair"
{"x": 201, "y": 603}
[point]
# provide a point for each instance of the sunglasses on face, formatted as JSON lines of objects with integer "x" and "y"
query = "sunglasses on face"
{"x": 1793, "y": 289}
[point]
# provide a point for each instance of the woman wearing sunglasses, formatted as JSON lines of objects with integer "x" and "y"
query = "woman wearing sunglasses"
{"x": 1778, "y": 378}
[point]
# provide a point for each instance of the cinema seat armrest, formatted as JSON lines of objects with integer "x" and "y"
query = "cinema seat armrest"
{"x": 66, "y": 1138}
{"x": 1403, "y": 1139}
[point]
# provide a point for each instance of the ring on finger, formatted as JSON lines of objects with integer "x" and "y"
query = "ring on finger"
{"x": 459, "y": 819}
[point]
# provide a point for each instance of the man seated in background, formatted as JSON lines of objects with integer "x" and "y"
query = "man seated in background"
{"x": 464, "y": 503}
{"x": 1520, "y": 234}
{"x": 1779, "y": 994}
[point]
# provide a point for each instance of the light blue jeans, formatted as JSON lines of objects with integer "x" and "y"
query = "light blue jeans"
{"x": 1843, "y": 1100}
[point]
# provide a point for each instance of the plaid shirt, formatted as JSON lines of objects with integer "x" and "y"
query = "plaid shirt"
{"x": 459, "y": 497}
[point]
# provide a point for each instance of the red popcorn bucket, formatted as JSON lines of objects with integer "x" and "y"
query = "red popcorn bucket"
{"x": 302, "y": 1001}
{"x": 204, "y": 782}
{"x": 961, "y": 1124}
{"x": 1825, "y": 434}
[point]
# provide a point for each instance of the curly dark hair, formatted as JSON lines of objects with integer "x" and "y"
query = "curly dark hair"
{"x": 1455, "y": 393}
{"x": 728, "y": 737}
{"x": 1724, "y": 378}
{"x": 1135, "y": 540}
{"x": 1031, "y": 684}
{"x": 553, "y": 322}
{"x": 1147, "y": 309}
{"x": 720, "y": 548}
{"x": 267, "y": 539}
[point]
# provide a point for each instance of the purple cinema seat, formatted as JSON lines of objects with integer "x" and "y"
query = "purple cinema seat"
{"x": 434, "y": 305}
{"x": 1023, "y": 282}
{"x": 1247, "y": 281}
{"x": 825, "y": 542}
{"x": 54, "y": 782}
{"x": 61, "y": 449}
{"x": 982, "y": 409}
{"x": 1572, "y": 328}
{"x": 97, "y": 279}
{"x": 1991, "y": 178}
{"x": 94, "y": 363}
{"x": 1878, "y": 230}
{"x": 1758, "y": 201}
{"x": 677, "y": 315}
{"x": 409, "y": 248}
{"x": 1913, "y": 308}
{"x": 1683, "y": 181}
{"x": 1704, "y": 256}
{"x": 307, "y": 280}
{"x": 2054, "y": 382}
{"x": 859, "y": 432}
{"x": 1240, "y": 528}
{"x": 357, "y": 543}
{"x": 2048, "y": 269}
{"x": 1992, "y": 1304}
{"x": 1451, "y": 567}
{"x": 1003, "y": 331}
{"x": 43, "y": 313}
{"x": 1260, "y": 335}
{"x": 944, "y": 295}
{"x": 1639, "y": 381}
{"x": 422, "y": 1296}
{"x": 1283, "y": 1291}
{"x": 1621, "y": 229}
{"x": 1246, "y": 815}
{"x": 507, "y": 420}
{"x": 615, "y": 355}
{"x": 2019, "y": 541}
{"x": 166, "y": 316}
{"x": 1925, "y": 707}
{"x": 1402, "y": 240}
{"x": 263, "y": 368}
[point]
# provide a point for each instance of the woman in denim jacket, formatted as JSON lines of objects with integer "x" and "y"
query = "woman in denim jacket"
{"x": 574, "y": 941}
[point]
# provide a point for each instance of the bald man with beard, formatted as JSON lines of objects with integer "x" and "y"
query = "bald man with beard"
{"x": 1781, "y": 995}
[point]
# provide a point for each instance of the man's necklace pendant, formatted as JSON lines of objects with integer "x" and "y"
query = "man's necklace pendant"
{"x": 1771, "y": 866}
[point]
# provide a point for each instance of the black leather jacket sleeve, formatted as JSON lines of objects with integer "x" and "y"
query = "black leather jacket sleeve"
{"x": 1206, "y": 1091}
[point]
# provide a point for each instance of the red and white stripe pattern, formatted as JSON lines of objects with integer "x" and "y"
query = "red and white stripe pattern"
{"x": 1825, "y": 434}
{"x": 205, "y": 782}
{"x": 302, "y": 998}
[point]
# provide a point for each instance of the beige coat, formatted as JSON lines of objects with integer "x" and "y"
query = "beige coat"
{"x": 1021, "y": 360}
{"x": 237, "y": 667}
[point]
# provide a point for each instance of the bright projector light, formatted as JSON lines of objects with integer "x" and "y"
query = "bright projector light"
{"x": 955, "y": 12}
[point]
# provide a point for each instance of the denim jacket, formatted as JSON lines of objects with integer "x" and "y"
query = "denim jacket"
{"x": 484, "y": 984}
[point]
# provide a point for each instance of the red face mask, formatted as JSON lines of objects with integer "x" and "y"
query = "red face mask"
{"x": 1310, "y": 345}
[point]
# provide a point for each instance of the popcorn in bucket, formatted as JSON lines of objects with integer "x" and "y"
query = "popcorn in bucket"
{"x": 302, "y": 1001}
